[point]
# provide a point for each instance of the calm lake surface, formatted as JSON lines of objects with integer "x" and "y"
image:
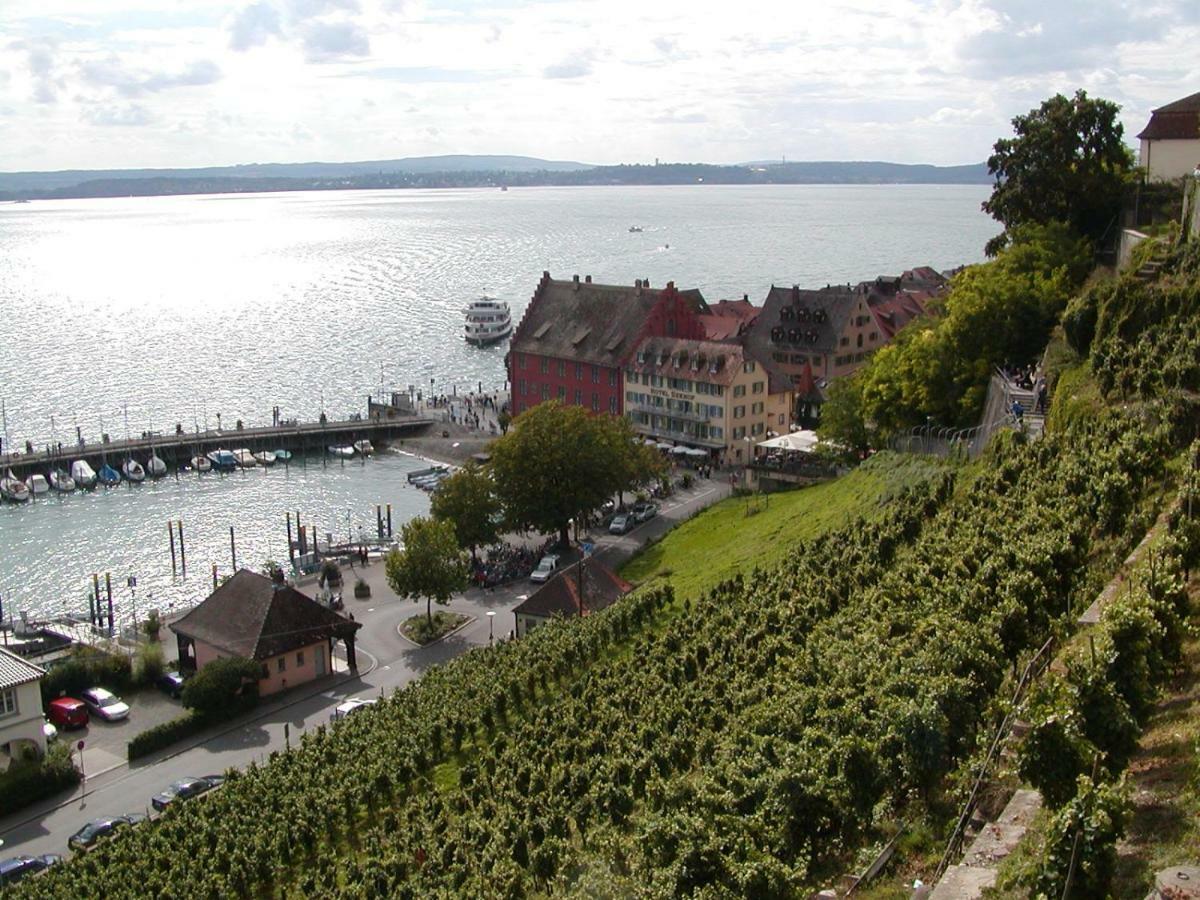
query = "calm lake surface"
{"x": 179, "y": 308}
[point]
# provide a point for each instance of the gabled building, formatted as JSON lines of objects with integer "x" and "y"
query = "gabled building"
{"x": 1170, "y": 147}
{"x": 578, "y": 590}
{"x": 576, "y": 336}
{"x": 20, "y": 708}
{"x": 252, "y": 617}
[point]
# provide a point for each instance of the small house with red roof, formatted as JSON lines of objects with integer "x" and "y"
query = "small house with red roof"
{"x": 1170, "y": 147}
{"x": 581, "y": 589}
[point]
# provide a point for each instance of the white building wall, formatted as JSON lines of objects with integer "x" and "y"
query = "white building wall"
{"x": 26, "y": 722}
{"x": 1169, "y": 160}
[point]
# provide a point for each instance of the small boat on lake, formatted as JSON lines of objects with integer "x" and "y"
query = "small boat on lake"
{"x": 245, "y": 458}
{"x": 108, "y": 476}
{"x": 364, "y": 447}
{"x": 223, "y": 460}
{"x": 283, "y": 455}
{"x": 488, "y": 321}
{"x": 37, "y": 484}
{"x": 265, "y": 457}
{"x": 155, "y": 467}
{"x": 341, "y": 452}
{"x": 62, "y": 482}
{"x": 13, "y": 488}
{"x": 635, "y": 229}
{"x": 84, "y": 474}
{"x": 133, "y": 471}
{"x": 201, "y": 463}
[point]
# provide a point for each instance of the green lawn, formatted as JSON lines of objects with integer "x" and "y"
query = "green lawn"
{"x": 724, "y": 540}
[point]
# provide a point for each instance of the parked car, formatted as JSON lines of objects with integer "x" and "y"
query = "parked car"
{"x": 348, "y": 706}
{"x": 13, "y": 870}
{"x": 185, "y": 789}
{"x": 171, "y": 684}
{"x": 96, "y": 829}
{"x": 67, "y": 712}
{"x": 621, "y": 524}
{"x": 105, "y": 704}
{"x": 545, "y": 568}
{"x": 49, "y": 732}
{"x": 644, "y": 512}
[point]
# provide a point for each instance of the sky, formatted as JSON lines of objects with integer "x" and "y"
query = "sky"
{"x": 174, "y": 83}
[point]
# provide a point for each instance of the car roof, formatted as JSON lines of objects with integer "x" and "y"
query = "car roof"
{"x": 67, "y": 702}
{"x": 16, "y": 862}
{"x": 99, "y": 692}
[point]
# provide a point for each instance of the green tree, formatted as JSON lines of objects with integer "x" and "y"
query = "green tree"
{"x": 429, "y": 565}
{"x": 467, "y": 500}
{"x": 225, "y": 684}
{"x": 1068, "y": 162}
{"x": 843, "y": 419}
{"x": 559, "y": 461}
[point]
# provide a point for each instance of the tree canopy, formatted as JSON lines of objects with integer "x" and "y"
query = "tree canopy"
{"x": 558, "y": 461}
{"x": 1067, "y": 163}
{"x": 467, "y": 500}
{"x": 429, "y": 565}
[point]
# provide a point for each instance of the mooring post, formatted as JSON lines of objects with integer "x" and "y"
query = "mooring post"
{"x": 379, "y": 520}
{"x": 108, "y": 588}
{"x": 214, "y": 576}
{"x": 171, "y": 538}
{"x": 291, "y": 547}
{"x": 232, "y": 549}
{"x": 182, "y": 553}
{"x": 94, "y": 600}
{"x": 389, "y": 521}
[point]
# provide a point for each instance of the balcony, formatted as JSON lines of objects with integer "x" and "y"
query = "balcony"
{"x": 683, "y": 437}
{"x": 652, "y": 410}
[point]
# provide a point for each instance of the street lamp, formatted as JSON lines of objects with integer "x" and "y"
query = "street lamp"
{"x": 491, "y": 625}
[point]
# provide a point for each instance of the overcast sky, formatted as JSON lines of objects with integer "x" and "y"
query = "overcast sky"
{"x": 133, "y": 83}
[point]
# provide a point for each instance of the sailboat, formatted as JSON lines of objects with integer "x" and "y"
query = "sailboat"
{"x": 245, "y": 458}
{"x": 343, "y": 452}
{"x": 364, "y": 447}
{"x": 84, "y": 475}
{"x": 61, "y": 481}
{"x": 37, "y": 484}
{"x": 108, "y": 476}
{"x": 223, "y": 460}
{"x": 14, "y": 489}
{"x": 133, "y": 470}
{"x": 283, "y": 455}
{"x": 155, "y": 467}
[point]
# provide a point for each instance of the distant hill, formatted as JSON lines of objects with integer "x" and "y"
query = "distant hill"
{"x": 460, "y": 172}
{"x": 41, "y": 182}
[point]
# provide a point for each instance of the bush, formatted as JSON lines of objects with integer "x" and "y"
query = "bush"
{"x": 153, "y": 625}
{"x": 166, "y": 734}
{"x": 223, "y": 688}
{"x": 28, "y": 782}
{"x": 149, "y": 664}
{"x": 1090, "y": 825}
{"x": 87, "y": 668}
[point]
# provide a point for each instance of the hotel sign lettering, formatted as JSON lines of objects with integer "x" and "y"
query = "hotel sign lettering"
{"x": 674, "y": 395}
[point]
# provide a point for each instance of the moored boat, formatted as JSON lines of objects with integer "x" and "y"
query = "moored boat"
{"x": 201, "y": 463}
{"x": 84, "y": 474}
{"x": 343, "y": 452}
{"x": 61, "y": 481}
{"x": 265, "y": 457}
{"x": 364, "y": 447}
{"x": 37, "y": 484}
{"x": 223, "y": 460}
{"x": 283, "y": 455}
{"x": 488, "y": 321}
{"x": 13, "y": 488}
{"x": 245, "y": 458}
{"x": 155, "y": 467}
{"x": 108, "y": 476}
{"x": 133, "y": 471}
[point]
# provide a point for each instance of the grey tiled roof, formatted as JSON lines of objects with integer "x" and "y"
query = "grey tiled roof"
{"x": 15, "y": 671}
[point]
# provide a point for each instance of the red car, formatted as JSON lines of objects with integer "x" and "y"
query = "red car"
{"x": 67, "y": 712}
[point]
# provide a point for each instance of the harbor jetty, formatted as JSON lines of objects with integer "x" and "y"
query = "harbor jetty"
{"x": 177, "y": 448}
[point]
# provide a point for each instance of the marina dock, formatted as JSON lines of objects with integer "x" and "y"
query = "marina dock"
{"x": 178, "y": 448}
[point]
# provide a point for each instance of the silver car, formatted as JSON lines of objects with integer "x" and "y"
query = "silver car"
{"x": 105, "y": 704}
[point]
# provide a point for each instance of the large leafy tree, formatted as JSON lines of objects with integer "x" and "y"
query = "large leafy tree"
{"x": 1068, "y": 162}
{"x": 429, "y": 565}
{"x": 467, "y": 499}
{"x": 560, "y": 461}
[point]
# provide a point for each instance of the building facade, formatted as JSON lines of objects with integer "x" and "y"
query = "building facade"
{"x": 1170, "y": 142}
{"x": 20, "y": 708}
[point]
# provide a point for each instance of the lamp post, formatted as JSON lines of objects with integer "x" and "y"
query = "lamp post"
{"x": 491, "y": 626}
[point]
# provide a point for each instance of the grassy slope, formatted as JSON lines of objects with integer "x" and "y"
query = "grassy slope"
{"x": 723, "y": 540}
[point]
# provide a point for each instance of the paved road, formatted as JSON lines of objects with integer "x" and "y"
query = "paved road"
{"x": 387, "y": 662}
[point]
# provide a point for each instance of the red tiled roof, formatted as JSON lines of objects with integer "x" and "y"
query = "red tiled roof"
{"x": 1175, "y": 121}
{"x": 602, "y": 587}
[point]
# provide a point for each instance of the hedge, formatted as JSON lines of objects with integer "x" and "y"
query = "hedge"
{"x": 166, "y": 734}
{"x": 27, "y": 783}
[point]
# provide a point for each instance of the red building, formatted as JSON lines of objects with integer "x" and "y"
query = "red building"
{"x": 575, "y": 338}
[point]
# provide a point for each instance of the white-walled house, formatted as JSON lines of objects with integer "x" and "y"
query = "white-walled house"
{"x": 1170, "y": 146}
{"x": 20, "y": 708}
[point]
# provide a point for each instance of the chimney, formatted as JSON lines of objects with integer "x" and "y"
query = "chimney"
{"x": 645, "y": 282}
{"x": 575, "y": 279}
{"x": 746, "y": 298}
{"x": 587, "y": 279}
{"x": 795, "y": 293}
{"x": 670, "y": 285}
{"x": 637, "y": 283}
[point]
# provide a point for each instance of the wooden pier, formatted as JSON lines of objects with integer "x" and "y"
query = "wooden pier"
{"x": 178, "y": 448}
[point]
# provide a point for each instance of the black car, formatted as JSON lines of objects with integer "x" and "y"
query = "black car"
{"x": 171, "y": 684}
{"x": 100, "y": 828}
{"x": 13, "y": 870}
{"x": 185, "y": 789}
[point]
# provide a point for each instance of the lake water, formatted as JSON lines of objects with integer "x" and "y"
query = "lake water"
{"x": 174, "y": 309}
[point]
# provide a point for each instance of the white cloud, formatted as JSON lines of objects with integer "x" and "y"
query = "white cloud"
{"x": 111, "y": 72}
{"x": 327, "y": 41}
{"x": 253, "y": 25}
